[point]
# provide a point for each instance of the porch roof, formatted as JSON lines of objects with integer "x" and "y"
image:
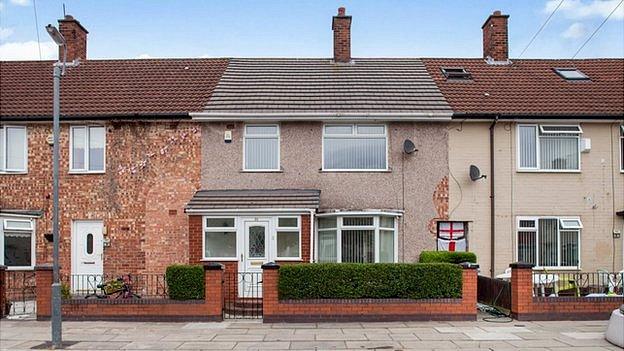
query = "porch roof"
{"x": 232, "y": 199}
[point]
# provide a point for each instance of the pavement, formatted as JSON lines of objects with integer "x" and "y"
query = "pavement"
{"x": 254, "y": 335}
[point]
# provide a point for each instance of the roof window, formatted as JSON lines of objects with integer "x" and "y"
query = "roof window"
{"x": 571, "y": 74}
{"x": 456, "y": 73}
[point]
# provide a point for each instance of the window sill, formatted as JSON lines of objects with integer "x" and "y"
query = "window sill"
{"x": 261, "y": 171}
{"x": 555, "y": 268}
{"x": 576, "y": 171}
{"x": 13, "y": 173}
{"x": 289, "y": 259}
{"x": 87, "y": 172}
{"x": 355, "y": 170}
{"x": 225, "y": 259}
{"x": 20, "y": 268}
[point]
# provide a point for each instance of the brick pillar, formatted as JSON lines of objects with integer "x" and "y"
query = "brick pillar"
{"x": 521, "y": 289}
{"x": 3, "y": 292}
{"x": 195, "y": 239}
{"x": 213, "y": 280}
{"x": 270, "y": 296}
{"x": 43, "y": 286}
{"x": 469, "y": 287}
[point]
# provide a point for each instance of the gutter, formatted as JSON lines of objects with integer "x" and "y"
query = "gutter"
{"x": 320, "y": 116}
{"x": 122, "y": 116}
{"x": 492, "y": 201}
{"x": 482, "y": 117}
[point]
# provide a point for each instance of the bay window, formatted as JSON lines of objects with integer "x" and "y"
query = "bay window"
{"x": 17, "y": 240}
{"x": 549, "y": 241}
{"x": 220, "y": 238}
{"x": 87, "y": 151}
{"x": 13, "y": 149}
{"x": 549, "y": 147}
{"x": 356, "y": 239}
{"x": 261, "y": 148}
{"x": 359, "y": 147}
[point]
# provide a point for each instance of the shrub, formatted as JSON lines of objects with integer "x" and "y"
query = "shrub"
{"x": 65, "y": 292}
{"x": 370, "y": 280}
{"x": 185, "y": 282}
{"x": 447, "y": 257}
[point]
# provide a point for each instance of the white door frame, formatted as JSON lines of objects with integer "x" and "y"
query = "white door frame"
{"x": 98, "y": 249}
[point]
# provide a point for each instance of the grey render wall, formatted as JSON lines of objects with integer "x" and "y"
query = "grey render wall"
{"x": 301, "y": 149}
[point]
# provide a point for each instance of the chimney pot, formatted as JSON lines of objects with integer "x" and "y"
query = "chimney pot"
{"x": 75, "y": 38}
{"x": 341, "y": 11}
{"x": 341, "y": 25}
{"x": 495, "y": 37}
{"x": 496, "y": 13}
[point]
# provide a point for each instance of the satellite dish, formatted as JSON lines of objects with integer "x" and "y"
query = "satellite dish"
{"x": 475, "y": 173}
{"x": 409, "y": 147}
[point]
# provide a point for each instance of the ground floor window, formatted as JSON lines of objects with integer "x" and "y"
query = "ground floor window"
{"x": 17, "y": 240}
{"x": 549, "y": 241}
{"x": 356, "y": 239}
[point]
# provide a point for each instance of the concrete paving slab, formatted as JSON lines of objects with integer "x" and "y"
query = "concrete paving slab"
{"x": 374, "y": 345}
{"x": 152, "y": 345}
{"x": 491, "y": 336}
{"x": 318, "y": 345}
{"x": 585, "y": 336}
{"x": 429, "y": 345}
{"x": 99, "y": 345}
{"x": 271, "y": 345}
{"x": 207, "y": 345}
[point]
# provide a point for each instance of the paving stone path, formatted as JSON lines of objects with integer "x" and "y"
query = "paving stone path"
{"x": 254, "y": 335}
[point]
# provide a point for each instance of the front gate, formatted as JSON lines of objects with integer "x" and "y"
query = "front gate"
{"x": 242, "y": 294}
{"x": 21, "y": 301}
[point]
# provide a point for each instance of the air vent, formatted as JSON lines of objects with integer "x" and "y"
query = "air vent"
{"x": 454, "y": 73}
{"x": 571, "y": 74}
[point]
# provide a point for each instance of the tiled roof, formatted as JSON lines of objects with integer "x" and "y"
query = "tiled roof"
{"x": 109, "y": 88}
{"x": 285, "y": 86}
{"x": 271, "y": 198}
{"x": 531, "y": 87}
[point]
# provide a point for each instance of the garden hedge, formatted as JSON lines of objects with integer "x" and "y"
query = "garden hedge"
{"x": 185, "y": 282}
{"x": 447, "y": 257}
{"x": 370, "y": 280}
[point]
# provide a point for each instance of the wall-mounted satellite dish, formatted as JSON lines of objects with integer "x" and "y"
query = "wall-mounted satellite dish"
{"x": 409, "y": 147}
{"x": 475, "y": 173}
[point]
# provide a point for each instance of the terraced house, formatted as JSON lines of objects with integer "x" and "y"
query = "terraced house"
{"x": 247, "y": 160}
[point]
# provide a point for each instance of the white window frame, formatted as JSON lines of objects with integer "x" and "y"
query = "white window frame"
{"x": 538, "y": 129}
{"x": 353, "y": 135}
{"x": 622, "y": 148}
{"x": 235, "y": 229}
{"x": 3, "y": 167}
{"x": 537, "y": 234}
{"x": 287, "y": 229}
{"x": 376, "y": 226}
{"x": 33, "y": 241}
{"x": 263, "y": 136}
{"x": 86, "y": 150}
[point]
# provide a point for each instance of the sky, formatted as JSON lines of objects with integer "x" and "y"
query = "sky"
{"x": 302, "y": 28}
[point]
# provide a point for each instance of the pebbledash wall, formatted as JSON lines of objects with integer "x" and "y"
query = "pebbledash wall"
{"x": 419, "y": 180}
{"x": 152, "y": 170}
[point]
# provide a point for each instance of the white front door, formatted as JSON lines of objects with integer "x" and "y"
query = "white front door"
{"x": 255, "y": 254}
{"x": 87, "y": 254}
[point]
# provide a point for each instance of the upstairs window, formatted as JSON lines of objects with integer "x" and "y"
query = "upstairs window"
{"x": 456, "y": 73}
{"x": 87, "y": 149}
{"x": 549, "y": 241}
{"x": 622, "y": 148}
{"x": 13, "y": 149}
{"x": 571, "y": 74}
{"x": 262, "y": 146}
{"x": 549, "y": 147}
{"x": 354, "y": 147}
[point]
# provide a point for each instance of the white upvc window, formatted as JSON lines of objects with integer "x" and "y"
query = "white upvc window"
{"x": 13, "y": 149}
{"x": 87, "y": 149}
{"x": 549, "y": 242}
{"x": 220, "y": 238}
{"x": 261, "y": 144}
{"x": 549, "y": 148}
{"x": 622, "y": 148}
{"x": 355, "y": 147}
{"x": 288, "y": 238}
{"x": 357, "y": 239}
{"x": 17, "y": 241}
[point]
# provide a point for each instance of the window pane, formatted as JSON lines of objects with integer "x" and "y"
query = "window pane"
{"x": 355, "y": 153}
{"x": 327, "y": 222}
{"x": 526, "y": 247}
{"x": 78, "y": 148}
{"x": 257, "y": 240}
{"x": 17, "y": 249}
{"x": 287, "y": 222}
{"x": 548, "y": 242}
{"x": 2, "y": 151}
{"x": 288, "y": 244}
{"x": 89, "y": 244}
{"x": 220, "y": 244}
{"x": 16, "y": 224}
{"x": 357, "y": 221}
{"x": 527, "y": 223}
{"x": 386, "y": 222}
{"x": 559, "y": 152}
{"x": 262, "y": 130}
{"x": 327, "y": 241}
{"x": 528, "y": 153}
{"x": 371, "y": 129}
{"x": 569, "y": 248}
{"x": 261, "y": 153}
{"x": 386, "y": 246}
{"x": 358, "y": 246}
{"x": 97, "y": 144}
{"x": 339, "y": 129}
{"x": 220, "y": 222}
{"x": 15, "y": 141}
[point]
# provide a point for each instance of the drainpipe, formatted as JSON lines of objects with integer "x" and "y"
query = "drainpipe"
{"x": 492, "y": 199}
{"x": 312, "y": 253}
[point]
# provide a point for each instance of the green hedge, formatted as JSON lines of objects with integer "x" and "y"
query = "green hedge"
{"x": 185, "y": 282}
{"x": 370, "y": 280}
{"x": 447, "y": 257}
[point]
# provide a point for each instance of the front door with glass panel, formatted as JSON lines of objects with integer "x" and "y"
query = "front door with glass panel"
{"x": 87, "y": 255}
{"x": 254, "y": 255}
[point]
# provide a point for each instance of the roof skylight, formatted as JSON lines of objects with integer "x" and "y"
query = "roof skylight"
{"x": 571, "y": 74}
{"x": 456, "y": 73}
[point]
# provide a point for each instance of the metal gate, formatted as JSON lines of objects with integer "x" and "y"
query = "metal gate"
{"x": 21, "y": 295}
{"x": 242, "y": 294}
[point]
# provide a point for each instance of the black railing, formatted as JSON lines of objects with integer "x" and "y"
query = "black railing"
{"x": 494, "y": 292}
{"x": 242, "y": 293}
{"x": 21, "y": 294}
{"x": 143, "y": 285}
{"x": 578, "y": 284}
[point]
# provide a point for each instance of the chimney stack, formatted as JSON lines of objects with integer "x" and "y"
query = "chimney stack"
{"x": 495, "y": 40}
{"x": 75, "y": 37}
{"x": 341, "y": 25}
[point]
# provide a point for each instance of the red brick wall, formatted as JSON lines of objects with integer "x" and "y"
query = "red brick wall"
{"x": 495, "y": 38}
{"x": 2, "y": 292}
{"x": 275, "y": 310}
{"x": 152, "y": 170}
{"x": 526, "y": 307}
